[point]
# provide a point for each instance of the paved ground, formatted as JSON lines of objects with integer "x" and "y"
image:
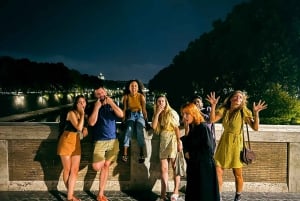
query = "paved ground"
{"x": 134, "y": 196}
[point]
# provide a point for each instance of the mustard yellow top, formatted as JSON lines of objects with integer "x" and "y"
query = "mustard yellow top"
{"x": 231, "y": 142}
{"x": 134, "y": 103}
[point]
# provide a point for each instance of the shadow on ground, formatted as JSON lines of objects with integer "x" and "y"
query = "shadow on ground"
{"x": 142, "y": 195}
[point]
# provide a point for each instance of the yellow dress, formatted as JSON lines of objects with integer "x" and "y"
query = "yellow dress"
{"x": 168, "y": 138}
{"x": 231, "y": 142}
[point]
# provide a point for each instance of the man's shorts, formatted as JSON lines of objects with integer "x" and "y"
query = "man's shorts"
{"x": 106, "y": 150}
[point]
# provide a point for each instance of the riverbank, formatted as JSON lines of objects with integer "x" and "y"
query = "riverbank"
{"x": 26, "y": 116}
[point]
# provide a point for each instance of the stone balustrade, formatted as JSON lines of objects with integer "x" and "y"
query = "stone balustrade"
{"x": 29, "y": 161}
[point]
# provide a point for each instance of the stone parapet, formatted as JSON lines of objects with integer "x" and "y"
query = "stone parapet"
{"x": 29, "y": 161}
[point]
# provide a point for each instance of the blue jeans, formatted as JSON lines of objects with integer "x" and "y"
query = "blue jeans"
{"x": 135, "y": 123}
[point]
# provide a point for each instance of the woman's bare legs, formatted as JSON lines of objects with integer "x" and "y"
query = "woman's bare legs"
{"x": 176, "y": 178}
{"x": 164, "y": 169}
{"x": 239, "y": 181}
{"x": 220, "y": 171}
{"x": 70, "y": 172}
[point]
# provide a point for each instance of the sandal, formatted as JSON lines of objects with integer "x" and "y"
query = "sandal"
{"x": 162, "y": 199}
{"x": 102, "y": 198}
{"x": 74, "y": 199}
{"x": 174, "y": 197}
{"x": 125, "y": 158}
{"x": 142, "y": 159}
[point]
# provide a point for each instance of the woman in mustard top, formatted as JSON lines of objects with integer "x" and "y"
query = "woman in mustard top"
{"x": 233, "y": 113}
{"x": 134, "y": 107}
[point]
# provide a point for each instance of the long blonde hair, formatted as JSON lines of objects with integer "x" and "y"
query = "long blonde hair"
{"x": 166, "y": 118}
{"x": 227, "y": 102}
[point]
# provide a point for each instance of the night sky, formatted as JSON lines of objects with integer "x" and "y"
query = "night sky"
{"x": 123, "y": 39}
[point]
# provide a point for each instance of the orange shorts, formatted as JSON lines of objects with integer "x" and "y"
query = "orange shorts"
{"x": 69, "y": 144}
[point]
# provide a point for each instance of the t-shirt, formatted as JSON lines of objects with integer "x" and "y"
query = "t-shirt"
{"x": 105, "y": 127}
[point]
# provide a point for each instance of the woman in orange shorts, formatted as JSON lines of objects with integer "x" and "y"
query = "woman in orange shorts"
{"x": 69, "y": 148}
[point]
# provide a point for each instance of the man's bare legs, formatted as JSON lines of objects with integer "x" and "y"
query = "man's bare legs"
{"x": 103, "y": 167}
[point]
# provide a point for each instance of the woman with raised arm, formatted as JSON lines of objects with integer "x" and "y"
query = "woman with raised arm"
{"x": 234, "y": 113}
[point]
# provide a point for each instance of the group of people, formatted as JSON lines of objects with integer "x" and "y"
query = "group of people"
{"x": 205, "y": 161}
{"x": 101, "y": 116}
{"x": 205, "y": 165}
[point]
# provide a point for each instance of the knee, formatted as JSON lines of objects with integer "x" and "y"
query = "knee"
{"x": 238, "y": 174}
{"x": 96, "y": 167}
{"x": 219, "y": 171}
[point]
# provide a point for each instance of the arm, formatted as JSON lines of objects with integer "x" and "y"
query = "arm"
{"x": 179, "y": 143}
{"x": 186, "y": 128}
{"x": 211, "y": 98}
{"x": 117, "y": 110}
{"x": 254, "y": 123}
{"x": 144, "y": 110}
{"x": 77, "y": 123}
{"x": 94, "y": 115}
{"x": 124, "y": 107}
{"x": 155, "y": 122}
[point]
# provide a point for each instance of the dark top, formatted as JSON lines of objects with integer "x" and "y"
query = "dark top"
{"x": 201, "y": 173}
{"x": 206, "y": 113}
{"x": 69, "y": 126}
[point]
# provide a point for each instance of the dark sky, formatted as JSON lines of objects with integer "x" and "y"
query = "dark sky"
{"x": 123, "y": 39}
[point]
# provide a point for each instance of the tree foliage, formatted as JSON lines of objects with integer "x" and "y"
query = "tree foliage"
{"x": 25, "y": 75}
{"x": 254, "y": 49}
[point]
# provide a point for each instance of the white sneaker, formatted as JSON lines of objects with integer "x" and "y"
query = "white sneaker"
{"x": 174, "y": 197}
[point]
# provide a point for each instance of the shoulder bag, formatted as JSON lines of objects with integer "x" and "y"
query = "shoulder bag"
{"x": 247, "y": 154}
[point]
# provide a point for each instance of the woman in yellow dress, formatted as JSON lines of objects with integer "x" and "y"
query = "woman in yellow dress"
{"x": 233, "y": 113}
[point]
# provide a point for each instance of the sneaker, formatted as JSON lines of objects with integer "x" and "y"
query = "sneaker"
{"x": 174, "y": 197}
{"x": 237, "y": 197}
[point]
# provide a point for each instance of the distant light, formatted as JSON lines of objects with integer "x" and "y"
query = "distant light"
{"x": 101, "y": 76}
{"x": 19, "y": 101}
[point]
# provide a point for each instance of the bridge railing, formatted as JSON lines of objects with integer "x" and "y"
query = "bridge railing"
{"x": 29, "y": 161}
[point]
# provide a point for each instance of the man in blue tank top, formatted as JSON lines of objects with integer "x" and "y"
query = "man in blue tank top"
{"x": 102, "y": 116}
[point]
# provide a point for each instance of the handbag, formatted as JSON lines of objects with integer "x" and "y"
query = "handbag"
{"x": 180, "y": 164}
{"x": 247, "y": 154}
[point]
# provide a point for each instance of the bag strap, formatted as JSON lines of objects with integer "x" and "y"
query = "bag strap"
{"x": 242, "y": 128}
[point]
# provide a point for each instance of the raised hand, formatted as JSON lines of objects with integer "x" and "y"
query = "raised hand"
{"x": 261, "y": 105}
{"x": 212, "y": 99}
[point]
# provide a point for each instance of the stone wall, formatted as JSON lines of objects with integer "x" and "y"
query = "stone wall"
{"x": 29, "y": 161}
